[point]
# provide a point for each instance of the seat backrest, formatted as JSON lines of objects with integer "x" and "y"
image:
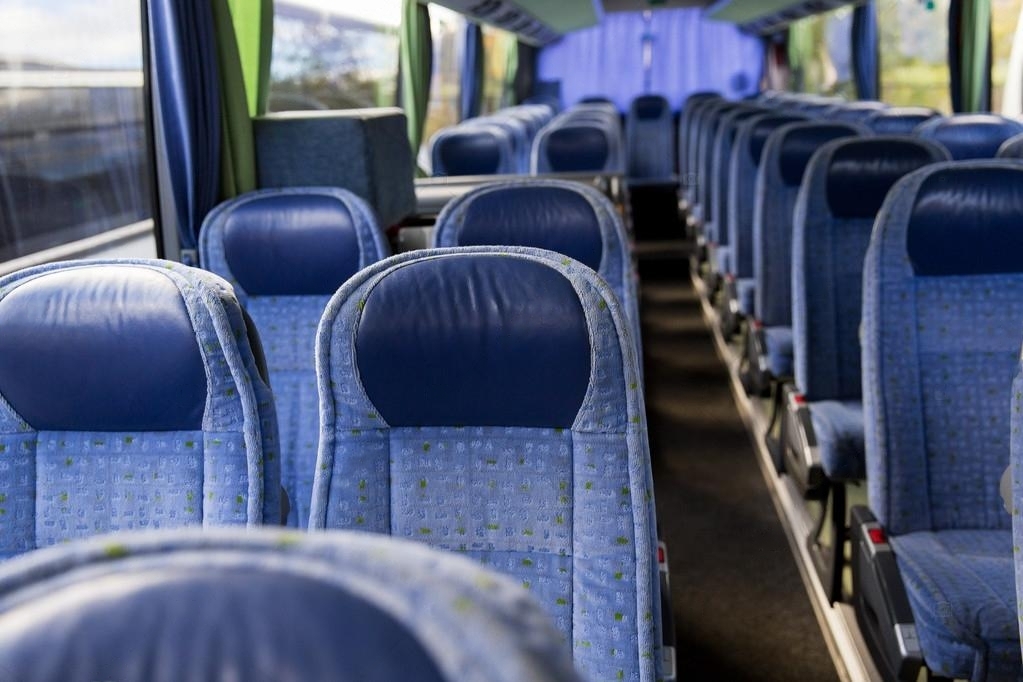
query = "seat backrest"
{"x": 650, "y": 138}
{"x": 478, "y": 149}
{"x": 488, "y": 401}
{"x": 717, "y": 230}
{"x": 786, "y": 154}
{"x": 286, "y": 252}
{"x": 272, "y": 604}
{"x": 747, "y": 153}
{"x": 686, "y": 125}
{"x": 573, "y": 147}
{"x": 130, "y": 399}
{"x": 942, "y": 314}
{"x": 701, "y": 112}
{"x": 970, "y": 136}
{"x": 857, "y": 111}
{"x": 844, "y": 187}
{"x": 714, "y": 115}
{"x": 1011, "y": 148}
{"x": 517, "y": 132}
{"x": 899, "y": 120}
{"x": 557, "y": 215}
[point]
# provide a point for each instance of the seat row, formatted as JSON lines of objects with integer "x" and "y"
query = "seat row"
{"x": 498, "y": 144}
{"x": 408, "y": 390}
{"x": 883, "y": 311}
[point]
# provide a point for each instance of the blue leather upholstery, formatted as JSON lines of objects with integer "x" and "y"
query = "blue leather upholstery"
{"x": 557, "y": 215}
{"x": 1011, "y": 148}
{"x": 571, "y": 149}
{"x": 970, "y": 136}
{"x": 899, "y": 120}
{"x": 939, "y": 354}
{"x": 845, "y": 185}
{"x": 130, "y": 399}
{"x": 286, "y": 252}
{"x": 649, "y": 138}
{"x": 478, "y": 149}
{"x": 565, "y": 507}
{"x": 220, "y": 605}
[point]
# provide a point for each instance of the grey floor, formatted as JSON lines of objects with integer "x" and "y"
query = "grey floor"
{"x": 741, "y": 611}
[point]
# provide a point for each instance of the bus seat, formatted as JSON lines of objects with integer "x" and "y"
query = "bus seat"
{"x": 857, "y": 111}
{"x": 221, "y": 604}
{"x": 742, "y": 175}
{"x": 899, "y": 120}
{"x": 286, "y": 252}
{"x": 711, "y": 123}
{"x": 131, "y": 399}
{"x": 786, "y": 154}
{"x": 650, "y": 138}
{"x": 1011, "y": 148}
{"x": 691, "y": 175}
{"x": 942, "y": 313}
{"x": 517, "y": 131}
{"x": 970, "y": 136}
{"x": 487, "y": 400}
{"x": 574, "y": 147}
{"x": 473, "y": 149}
{"x": 567, "y": 217}
{"x": 822, "y": 431}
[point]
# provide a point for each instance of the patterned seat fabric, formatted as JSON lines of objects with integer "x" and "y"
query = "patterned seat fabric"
{"x": 854, "y": 112}
{"x": 1012, "y": 148}
{"x": 698, "y": 115}
{"x": 969, "y": 136}
{"x": 568, "y": 217}
{"x": 786, "y": 155}
{"x": 717, "y": 230}
{"x": 131, "y": 399}
{"x": 687, "y": 136}
{"x": 193, "y": 606}
{"x": 649, "y": 138}
{"x": 286, "y": 252}
{"x": 899, "y": 120}
{"x": 942, "y": 305}
{"x": 487, "y": 401}
{"x": 844, "y": 187}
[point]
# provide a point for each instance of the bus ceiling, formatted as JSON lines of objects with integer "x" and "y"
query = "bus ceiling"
{"x": 539, "y": 22}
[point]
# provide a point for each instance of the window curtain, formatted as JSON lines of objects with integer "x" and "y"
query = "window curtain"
{"x": 975, "y": 59}
{"x": 253, "y": 22}
{"x": 801, "y": 48}
{"x": 511, "y": 67}
{"x": 416, "y": 65}
{"x": 608, "y": 59}
{"x": 472, "y": 72}
{"x": 865, "y": 51}
{"x": 525, "y": 74}
{"x": 186, "y": 104}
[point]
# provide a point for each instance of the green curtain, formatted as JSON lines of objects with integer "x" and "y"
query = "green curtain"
{"x": 244, "y": 31}
{"x": 800, "y": 49}
{"x": 416, "y": 69}
{"x": 511, "y": 53}
{"x": 976, "y": 55}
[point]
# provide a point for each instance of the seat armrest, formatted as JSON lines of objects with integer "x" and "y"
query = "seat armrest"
{"x": 669, "y": 668}
{"x": 799, "y": 442}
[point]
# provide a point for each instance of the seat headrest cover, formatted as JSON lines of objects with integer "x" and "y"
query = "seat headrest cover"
{"x": 578, "y": 148}
{"x": 291, "y": 245}
{"x": 762, "y": 130}
{"x": 1012, "y": 148}
{"x": 970, "y": 136}
{"x": 192, "y": 623}
{"x": 649, "y": 107}
{"x": 108, "y": 348}
{"x": 552, "y": 218}
{"x": 899, "y": 120}
{"x": 966, "y": 221}
{"x": 470, "y": 151}
{"x": 488, "y": 340}
{"x": 862, "y": 171}
{"x": 802, "y": 141}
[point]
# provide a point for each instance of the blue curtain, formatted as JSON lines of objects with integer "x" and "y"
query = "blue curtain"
{"x": 690, "y": 54}
{"x": 472, "y": 72}
{"x": 187, "y": 104}
{"x": 864, "y": 51}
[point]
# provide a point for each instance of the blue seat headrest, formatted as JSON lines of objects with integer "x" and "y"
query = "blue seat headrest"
{"x": 862, "y": 171}
{"x": 649, "y": 107}
{"x": 1012, "y": 148}
{"x": 291, "y": 244}
{"x": 581, "y": 147}
{"x": 470, "y": 151}
{"x": 970, "y": 136}
{"x": 552, "y": 218}
{"x": 101, "y": 348}
{"x": 762, "y": 130}
{"x": 966, "y": 221}
{"x": 190, "y": 622}
{"x": 801, "y": 141}
{"x": 474, "y": 340}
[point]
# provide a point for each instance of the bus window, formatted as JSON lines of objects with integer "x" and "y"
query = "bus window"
{"x": 448, "y": 31}
{"x": 820, "y": 52}
{"x": 914, "y": 47}
{"x": 331, "y": 55}
{"x": 499, "y": 47}
{"x": 1004, "y": 27}
{"x": 72, "y": 134}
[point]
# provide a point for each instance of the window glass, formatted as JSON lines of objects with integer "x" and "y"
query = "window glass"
{"x": 1004, "y": 19}
{"x": 497, "y": 51}
{"x": 447, "y": 29}
{"x": 334, "y": 55}
{"x": 913, "y": 39}
{"x": 72, "y": 134}
{"x": 822, "y": 52}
